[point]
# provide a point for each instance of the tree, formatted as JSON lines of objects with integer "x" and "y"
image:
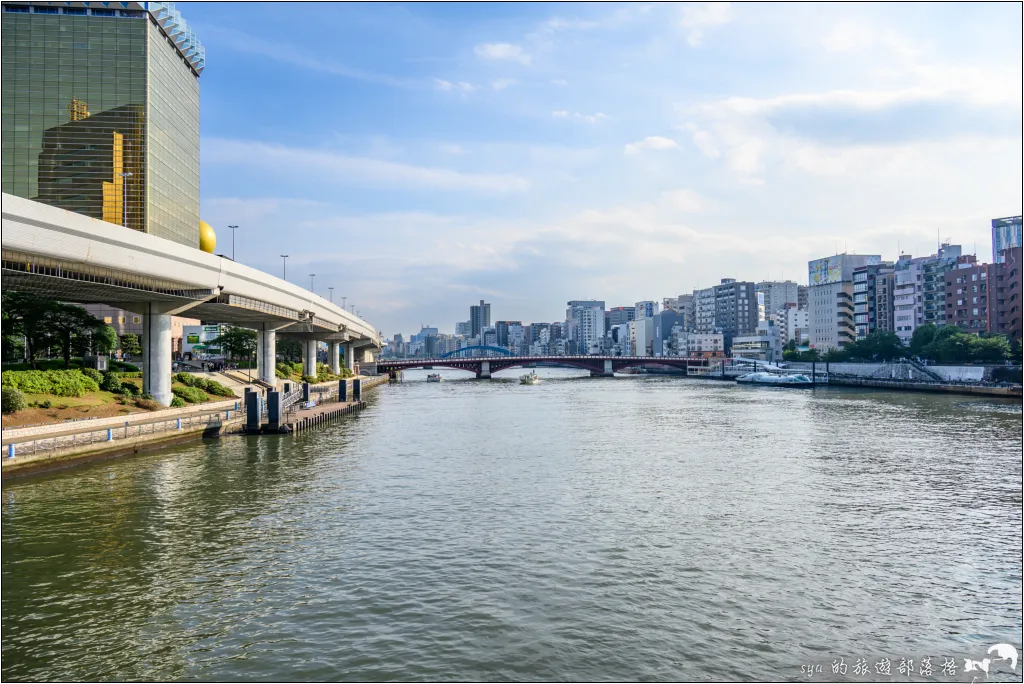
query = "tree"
{"x": 922, "y": 337}
{"x": 290, "y": 350}
{"x": 26, "y": 314}
{"x": 835, "y": 354}
{"x": 130, "y": 344}
{"x": 104, "y": 339}
{"x": 236, "y": 342}
{"x": 878, "y": 346}
{"x": 69, "y": 323}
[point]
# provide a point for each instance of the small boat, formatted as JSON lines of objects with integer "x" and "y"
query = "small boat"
{"x": 762, "y": 378}
{"x": 434, "y": 377}
{"x": 530, "y": 378}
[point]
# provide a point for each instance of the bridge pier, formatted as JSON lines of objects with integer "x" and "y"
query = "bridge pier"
{"x": 485, "y": 370}
{"x": 350, "y": 356}
{"x": 309, "y": 358}
{"x": 333, "y": 358}
{"x": 157, "y": 356}
{"x": 606, "y": 373}
{"x": 266, "y": 355}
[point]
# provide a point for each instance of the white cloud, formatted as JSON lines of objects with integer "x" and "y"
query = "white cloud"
{"x": 651, "y": 142}
{"x": 698, "y": 16}
{"x": 351, "y": 170}
{"x": 502, "y": 83}
{"x": 588, "y": 118}
{"x": 559, "y": 82}
{"x": 683, "y": 199}
{"x": 450, "y": 86}
{"x": 501, "y": 51}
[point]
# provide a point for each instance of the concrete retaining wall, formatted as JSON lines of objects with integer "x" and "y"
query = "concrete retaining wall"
{"x": 866, "y": 370}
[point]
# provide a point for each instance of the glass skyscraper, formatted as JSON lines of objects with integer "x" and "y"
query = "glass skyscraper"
{"x": 101, "y": 112}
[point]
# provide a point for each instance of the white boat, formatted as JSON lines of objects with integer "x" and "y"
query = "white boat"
{"x": 434, "y": 377}
{"x": 530, "y": 378}
{"x": 762, "y": 378}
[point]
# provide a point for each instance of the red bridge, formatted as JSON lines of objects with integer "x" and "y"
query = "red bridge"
{"x": 599, "y": 366}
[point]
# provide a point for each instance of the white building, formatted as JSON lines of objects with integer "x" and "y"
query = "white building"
{"x": 585, "y": 319}
{"x": 703, "y": 311}
{"x": 516, "y": 336}
{"x": 830, "y": 299}
{"x": 643, "y": 336}
{"x": 792, "y": 324}
{"x": 646, "y": 309}
{"x": 763, "y": 345}
{"x": 700, "y": 345}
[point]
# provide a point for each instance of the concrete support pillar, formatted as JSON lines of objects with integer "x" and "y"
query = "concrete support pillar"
{"x": 606, "y": 373}
{"x": 366, "y": 355}
{"x": 309, "y": 358}
{"x": 485, "y": 370}
{"x": 350, "y": 356}
{"x": 333, "y": 359}
{"x": 266, "y": 356}
{"x": 157, "y": 356}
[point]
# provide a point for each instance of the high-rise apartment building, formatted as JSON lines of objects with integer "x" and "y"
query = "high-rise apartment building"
{"x": 801, "y": 297}
{"x": 830, "y": 299}
{"x": 646, "y": 309}
{"x": 585, "y": 319}
{"x": 776, "y": 295}
{"x": 986, "y": 298}
{"x": 736, "y": 309}
{"x": 872, "y": 299}
{"x": 101, "y": 112}
{"x": 704, "y": 311}
{"x": 618, "y": 315}
{"x": 479, "y": 318}
{"x": 1006, "y": 233}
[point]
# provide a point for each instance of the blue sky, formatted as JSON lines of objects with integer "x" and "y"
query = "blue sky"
{"x": 421, "y": 157}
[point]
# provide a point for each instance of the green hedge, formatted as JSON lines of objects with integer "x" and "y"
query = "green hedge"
{"x": 178, "y": 402}
{"x": 192, "y": 395}
{"x": 60, "y": 383}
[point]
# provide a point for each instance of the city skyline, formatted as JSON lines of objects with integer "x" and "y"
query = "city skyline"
{"x": 533, "y": 154}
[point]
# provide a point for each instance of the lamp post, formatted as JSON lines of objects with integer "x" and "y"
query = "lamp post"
{"x": 343, "y": 303}
{"x": 284, "y": 267}
{"x": 125, "y": 175}
{"x": 311, "y": 275}
{"x": 331, "y": 291}
{"x": 232, "y": 241}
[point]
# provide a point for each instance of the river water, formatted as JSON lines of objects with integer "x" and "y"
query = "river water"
{"x": 642, "y": 527}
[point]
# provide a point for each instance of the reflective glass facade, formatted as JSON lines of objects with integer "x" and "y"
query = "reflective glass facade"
{"x": 101, "y": 116}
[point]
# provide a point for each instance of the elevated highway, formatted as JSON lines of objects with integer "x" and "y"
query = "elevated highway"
{"x": 71, "y": 257}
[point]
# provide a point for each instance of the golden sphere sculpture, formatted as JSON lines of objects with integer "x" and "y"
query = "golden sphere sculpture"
{"x": 207, "y": 238}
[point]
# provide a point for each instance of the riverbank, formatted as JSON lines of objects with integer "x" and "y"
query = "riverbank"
{"x": 43, "y": 448}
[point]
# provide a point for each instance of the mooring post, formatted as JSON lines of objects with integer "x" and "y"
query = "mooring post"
{"x": 357, "y": 389}
{"x": 252, "y": 412}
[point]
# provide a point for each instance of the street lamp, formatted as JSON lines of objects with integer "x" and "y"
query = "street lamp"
{"x": 125, "y": 175}
{"x": 284, "y": 268}
{"x": 232, "y": 241}
{"x": 343, "y": 303}
{"x": 331, "y": 291}
{"x": 311, "y": 282}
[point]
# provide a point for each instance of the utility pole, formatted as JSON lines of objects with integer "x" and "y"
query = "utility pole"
{"x": 331, "y": 291}
{"x": 311, "y": 282}
{"x": 232, "y": 241}
{"x": 284, "y": 268}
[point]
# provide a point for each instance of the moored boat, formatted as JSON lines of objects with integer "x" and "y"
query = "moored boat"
{"x": 776, "y": 380}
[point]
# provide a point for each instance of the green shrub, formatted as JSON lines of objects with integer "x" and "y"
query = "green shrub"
{"x": 61, "y": 383}
{"x": 308, "y": 378}
{"x": 192, "y": 395}
{"x": 186, "y": 379}
{"x": 130, "y": 390}
{"x": 93, "y": 374}
{"x": 297, "y": 368}
{"x": 218, "y": 390}
{"x": 111, "y": 383}
{"x": 177, "y": 402}
{"x": 13, "y": 400}
{"x": 45, "y": 404}
{"x": 122, "y": 366}
{"x": 147, "y": 404}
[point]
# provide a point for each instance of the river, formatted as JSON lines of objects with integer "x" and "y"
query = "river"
{"x": 637, "y": 527}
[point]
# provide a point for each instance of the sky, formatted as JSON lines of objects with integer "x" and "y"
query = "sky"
{"x": 418, "y": 158}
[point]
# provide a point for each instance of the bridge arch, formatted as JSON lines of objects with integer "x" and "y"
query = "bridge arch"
{"x": 457, "y": 353}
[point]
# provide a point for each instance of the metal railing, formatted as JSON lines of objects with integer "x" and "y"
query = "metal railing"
{"x": 31, "y": 445}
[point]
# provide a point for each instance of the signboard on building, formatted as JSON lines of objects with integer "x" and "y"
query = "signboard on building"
{"x": 837, "y": 268}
